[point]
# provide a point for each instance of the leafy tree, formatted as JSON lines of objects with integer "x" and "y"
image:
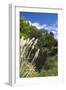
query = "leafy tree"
{"x": 34, "y": 32}
{"x": 24, "y": 27}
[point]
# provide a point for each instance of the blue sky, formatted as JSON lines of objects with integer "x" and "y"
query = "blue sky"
{"x": 47, "y": 21}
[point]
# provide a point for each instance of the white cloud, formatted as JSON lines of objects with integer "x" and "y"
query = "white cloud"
{"x": 56, "y": 37}
{"x": 54, "y": 32}
{"x": 30, "y": 22}
{"x": 37, "y": 25}
{"x": 51, "y": 28}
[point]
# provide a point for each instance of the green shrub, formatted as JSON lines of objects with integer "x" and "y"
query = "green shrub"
{"x": 49, "y": 72}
